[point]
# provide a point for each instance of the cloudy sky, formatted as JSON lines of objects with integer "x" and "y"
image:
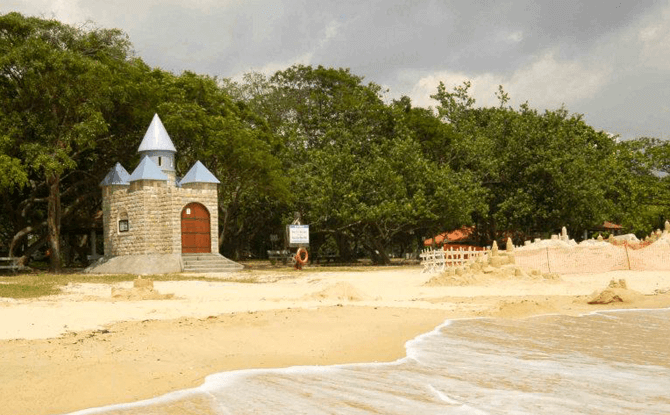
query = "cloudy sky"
{"x": 608, "y": 60}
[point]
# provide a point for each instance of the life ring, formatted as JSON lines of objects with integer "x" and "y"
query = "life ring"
{"x": 299, "y": 256}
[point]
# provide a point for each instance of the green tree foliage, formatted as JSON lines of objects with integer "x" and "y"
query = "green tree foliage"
{"x": 435, "y": 137}
{"x": 645, "y": 204}
{"x": 357, "y": 173}
{"x": 541, "y": 171}
{"x": 367, "y": 175}
{"x": 56, "y": 85}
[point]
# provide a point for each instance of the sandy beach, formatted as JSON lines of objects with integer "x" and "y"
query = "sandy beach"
{"x": 84, "y": 349}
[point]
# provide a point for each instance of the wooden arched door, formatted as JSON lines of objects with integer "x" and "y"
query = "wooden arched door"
{"x": 195, "y": 229}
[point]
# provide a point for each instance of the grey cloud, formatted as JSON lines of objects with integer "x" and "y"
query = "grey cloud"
{"x": 397, "y": 42}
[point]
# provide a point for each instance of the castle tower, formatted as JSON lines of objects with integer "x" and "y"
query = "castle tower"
{"x": 151, "y": 223}
{"x": 158, "y": 146}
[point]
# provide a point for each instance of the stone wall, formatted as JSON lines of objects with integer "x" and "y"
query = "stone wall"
{"x": 153, "y": 210}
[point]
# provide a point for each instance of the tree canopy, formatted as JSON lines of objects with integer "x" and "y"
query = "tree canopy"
{"x": 541, "y": 171}
{"x": 371, "y": 177}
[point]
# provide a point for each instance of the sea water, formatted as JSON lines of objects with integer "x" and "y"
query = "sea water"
{"x": 601, "y": 363}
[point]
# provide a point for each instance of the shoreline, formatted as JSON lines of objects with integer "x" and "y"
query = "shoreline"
{"x": 147, "y": 353}
{"x": 119, "y": 364}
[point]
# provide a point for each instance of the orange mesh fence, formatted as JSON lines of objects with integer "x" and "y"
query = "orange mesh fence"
{"x": 595, "y": 259}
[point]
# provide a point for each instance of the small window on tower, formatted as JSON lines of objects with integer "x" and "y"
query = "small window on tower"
{"x": 188, "y": 211}
{"x": 160, "y": 161}
{"x": 123, "y": 225}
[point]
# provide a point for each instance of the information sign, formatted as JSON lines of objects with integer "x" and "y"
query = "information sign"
{"x": 298, "y": 235}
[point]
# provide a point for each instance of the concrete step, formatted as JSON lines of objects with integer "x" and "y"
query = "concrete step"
{"x": 211, "y": 265}
{"x": 208, "y": 263}
{"x": 210, "y": 270}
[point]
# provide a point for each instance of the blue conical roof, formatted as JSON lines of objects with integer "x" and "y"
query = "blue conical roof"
{"x": 147, "y": 170}
{"x": 156, "y": 138}
{"x": 198, "y": 174}
{"x": 116, "y": 175}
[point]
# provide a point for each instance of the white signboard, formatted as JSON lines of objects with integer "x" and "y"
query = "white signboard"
{"x": 298, "y": 234}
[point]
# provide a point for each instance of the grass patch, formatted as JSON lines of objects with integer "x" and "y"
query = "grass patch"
{"x": 14, "y": 290}
{"x": 40, "y": 284}
{"x": 35, "y": 285}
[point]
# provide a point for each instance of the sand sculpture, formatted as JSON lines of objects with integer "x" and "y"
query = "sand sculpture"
{"x": 497, "y": 265}
{"x": 143, "y": 289}
{"x": 616, "y": 292}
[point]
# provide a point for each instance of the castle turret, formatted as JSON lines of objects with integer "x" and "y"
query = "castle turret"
{"x": 158, "y": 146}
{"x": 114, "y": 187}
{"x": 199, "y": 174}
{"x": 147, "y": 173}
{"x": 117, "y": 176}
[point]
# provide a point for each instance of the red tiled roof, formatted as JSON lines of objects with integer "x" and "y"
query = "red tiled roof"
{"x": 610, "y": 225}
{"x": 451, "y": 237}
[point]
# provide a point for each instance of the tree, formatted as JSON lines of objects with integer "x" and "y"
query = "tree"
{"x": 357, "y": 173}
{"x": 644, "y": 200}
{"x": 57, "y": 88}
{"x": 541, "y": 171}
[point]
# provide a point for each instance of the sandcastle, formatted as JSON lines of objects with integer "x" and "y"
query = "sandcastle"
{"x": 495, "y": 264}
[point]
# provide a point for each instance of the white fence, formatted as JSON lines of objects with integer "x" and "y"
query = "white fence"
{"x": 437, "y": 260}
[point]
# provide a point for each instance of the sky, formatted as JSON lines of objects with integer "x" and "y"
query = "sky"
{"x": 608, "y": 60}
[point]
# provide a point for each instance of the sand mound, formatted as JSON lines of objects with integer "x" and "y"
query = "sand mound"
{"x": 522, "y": 308}
{"x": 594, "y": 243}
{"x": 663, "y": 240}
{"x": 447, "y": 279}
{"x": 616, "y": 292}
{"x": 341, "y": 291}
{"x": 485, "y": 275}
{"x": 142, "y": 290}
{"x": 629, "y": 237}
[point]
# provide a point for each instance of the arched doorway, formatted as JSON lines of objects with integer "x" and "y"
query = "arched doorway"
{"x": 195, "y": 229}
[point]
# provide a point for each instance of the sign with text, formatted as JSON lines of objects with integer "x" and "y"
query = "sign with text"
{"x": 298, "y": 235}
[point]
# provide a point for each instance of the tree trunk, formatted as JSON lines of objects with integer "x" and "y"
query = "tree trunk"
{"x": 228, "y": 213}
{"x": 377, "y": 251}
{"x": 53, "y": 221}
{"x": 27, "y": 253}
{"x": 382, "y": 255}
{"x": 343, "y": 247}
{"x": 223, "y": 214}
{"x": 380, "y": 246}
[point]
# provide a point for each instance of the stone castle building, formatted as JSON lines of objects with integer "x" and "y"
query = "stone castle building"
{"x": 155, "y": 222}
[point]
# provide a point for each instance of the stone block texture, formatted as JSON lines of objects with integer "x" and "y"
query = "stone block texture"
{"x": 153, "y": 210}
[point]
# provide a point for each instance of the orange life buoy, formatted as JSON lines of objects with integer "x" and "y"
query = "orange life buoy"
{"x": 299, "y": 256}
